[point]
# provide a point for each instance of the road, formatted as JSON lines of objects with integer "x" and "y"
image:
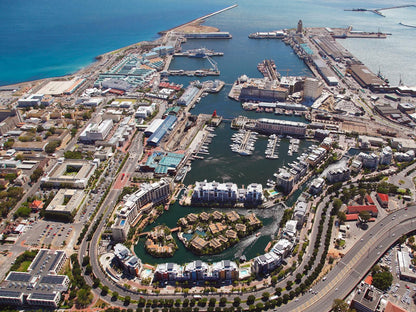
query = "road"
{"x": 342, "y": 279}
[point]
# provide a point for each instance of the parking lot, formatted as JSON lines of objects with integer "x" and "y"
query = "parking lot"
{"x": 47, "y": 233}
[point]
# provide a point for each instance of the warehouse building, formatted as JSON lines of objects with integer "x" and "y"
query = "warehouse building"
{"x": 167, "y": 125}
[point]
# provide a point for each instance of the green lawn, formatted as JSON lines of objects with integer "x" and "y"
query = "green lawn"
{"x": 24, "y": 266}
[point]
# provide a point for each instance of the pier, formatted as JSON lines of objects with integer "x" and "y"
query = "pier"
{"x": 377, "y": 11}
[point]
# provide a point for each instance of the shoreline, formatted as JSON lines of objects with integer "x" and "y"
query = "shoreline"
{"x": 195, "y": 23}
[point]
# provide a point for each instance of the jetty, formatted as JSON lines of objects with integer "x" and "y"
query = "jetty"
{"x": 377, "y": 11}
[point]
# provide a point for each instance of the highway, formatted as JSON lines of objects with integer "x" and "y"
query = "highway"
{"x": 342, "y": 279}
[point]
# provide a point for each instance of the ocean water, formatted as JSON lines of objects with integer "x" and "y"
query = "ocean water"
{"x": 50, "y": 38}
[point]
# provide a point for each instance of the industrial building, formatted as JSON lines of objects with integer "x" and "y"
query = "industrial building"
{"x": 312, "y": 88}
{"x": 188, "y": 96}
{"x": 167, "y": 125}
{"x": 364, "y": 76}
{"x": 70, "y": 173}
{"x": 96, "y": 132}
{"x": 156, "y": 123}
{"x": 282, "y": 127}
{"x": 40, "y": 286}
{"x": 327, "y": 74}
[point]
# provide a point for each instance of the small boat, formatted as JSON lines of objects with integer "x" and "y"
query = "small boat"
{"x": 258, "y": 234}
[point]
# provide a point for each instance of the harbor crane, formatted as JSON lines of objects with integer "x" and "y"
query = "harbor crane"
{"x": 213, "y": 63}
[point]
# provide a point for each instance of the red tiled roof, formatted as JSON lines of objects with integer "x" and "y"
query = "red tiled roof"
{"x": 36, "y": 204}
{"x": 391, "y": 307}
{"x": 368, "y": 280}
{"x": 358, "y": 209}
{"x": 351, "y": 217}
{"x": 383, "y": 197}
{"x": 369, "y": 199}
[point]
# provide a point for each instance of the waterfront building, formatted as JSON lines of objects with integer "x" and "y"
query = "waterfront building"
{"x": 312, "y": 88}
{"x": 96, "y": 132}
{"x": 285, "y": 181}
{"x": 290, "y": 229}
{"x": 72, "y": 173}
{"x": 364, "y": 76}
{"x": 196, "y": 271}
{"x": 215, "y": 191}
{"x": 129, "y": 263}
{"x": 266, "y": 263}
{"x": 338, "y": 175}
{"x": 383, "y": 200}
{"x": 167, "y": 125}
{"x": 316, "y": 186}
{"x": 282, "y": 127}
{"x": 299, "y": 213}
{"x": 327, "y": 74}
{"x": 188, "y": 96}
{"x": 386, "y": 156}
{"x": 168, "y": 272}
{"x": 283, "y": 248}
{"x": 163, "y": 50}
{"x": 148, "y": 196}
{"x": 254, "y": 192}
{"x": 40, "y": 286}
{"x": 368, "y": 160}
{"x": 262, "y": 90}
{"x": 224, "y": 270}
{"x": 316, "y": 156}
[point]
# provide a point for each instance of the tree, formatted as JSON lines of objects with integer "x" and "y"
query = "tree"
{"x": 265, "y": 296}
{"x": 85, "y": 260}
{"x": 337, "y": 203}
{"x": 115, "y": 296}
{"x": 251, "y": 299}
{"x": 237, "y": 301}
{"x": 127, "y": 300}
{"x": 212, "y": 302}
{"x": 223, "y": 301}
{"x": 342, "y": 217}
{"x": 278, "y": 291}
{"x": 364, "y": 216}
{"x": 340, "y": 305}
{"x": 382, "y": 280}
{"x": 37, "y": 173}
{"x": 84, "y": 298}
{"x": 96, "y": 283}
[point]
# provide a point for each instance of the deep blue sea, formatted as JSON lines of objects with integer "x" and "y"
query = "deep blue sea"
{"x": 45, "y": 38}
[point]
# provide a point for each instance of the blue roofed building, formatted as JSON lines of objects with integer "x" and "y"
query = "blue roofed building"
{"x": 162, "y": 163}
{"x": 161, "y": 131}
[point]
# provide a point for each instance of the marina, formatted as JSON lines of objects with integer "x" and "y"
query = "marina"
{"x": 272, "y": 147}
{"x": 243, "y": 142}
